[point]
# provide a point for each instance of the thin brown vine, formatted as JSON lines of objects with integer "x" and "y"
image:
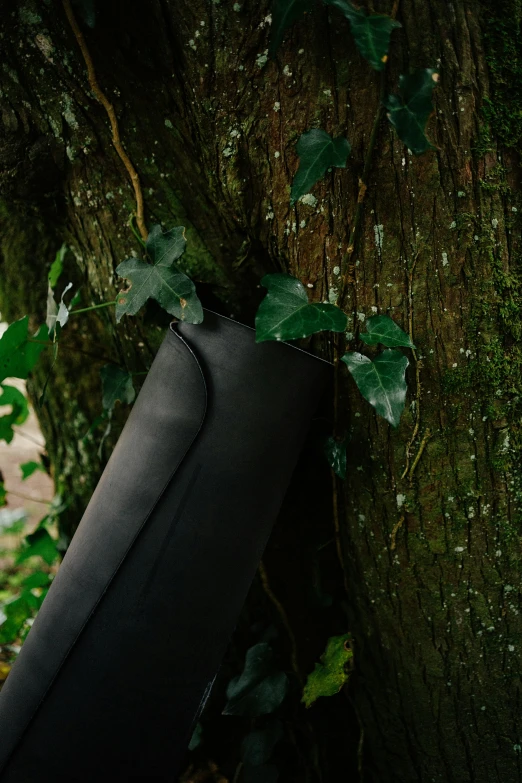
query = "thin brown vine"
{"x": 109, "y": 108}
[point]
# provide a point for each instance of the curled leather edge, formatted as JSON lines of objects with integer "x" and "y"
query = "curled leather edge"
{"x": 9, "y": 744}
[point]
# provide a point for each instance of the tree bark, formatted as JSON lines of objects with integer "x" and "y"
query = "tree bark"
{"x": 431, "y": 511}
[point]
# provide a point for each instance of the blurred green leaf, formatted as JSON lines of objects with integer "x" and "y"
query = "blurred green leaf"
{"x": 335, "y": 451}
{"x": 3, "y": 492}
{"x": 116, "y": 385}
{"x": 330, "y": 675}
{"x": 260, "y": 688}
{"x": 284, "y": 14}
{"x": 28, "y": 468}
{"x": 16, "y": 613}
{"x": 57, "y": 266}
{"x": 286, "y": 314}
{"x": 76, "y": 300}
{"x": 317, "y": 152}
{"x": 381, "y": 382}
{"x": 409, "y": 111}
{"x": 382, "y": 329}
{"x": 37, "y": 579}
{"x": 11, "y": 396}
{"x": 160, "y": 280}
{"x": 18, "y": 354}
{"x": 38, "y": 544}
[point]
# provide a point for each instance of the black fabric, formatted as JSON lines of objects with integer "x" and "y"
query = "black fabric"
{"x": 117, "y": 665}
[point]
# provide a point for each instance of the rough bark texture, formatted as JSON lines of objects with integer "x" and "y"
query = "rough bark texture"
{"x": 432, "y": 560}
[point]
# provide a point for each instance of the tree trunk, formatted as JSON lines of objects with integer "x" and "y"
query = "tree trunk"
{"x": 431, "y": 518}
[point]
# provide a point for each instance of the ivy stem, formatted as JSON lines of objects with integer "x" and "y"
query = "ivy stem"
{"x": 93, "y": 307}
{"x": 135, "y": 232}
{"x": 28, "y": 497}
{"x": 109, "y": 108}
{"x": 28, "y": 437}
{"x": 284, "y": 619}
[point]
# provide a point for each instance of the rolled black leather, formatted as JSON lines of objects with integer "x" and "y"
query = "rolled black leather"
{"x": 123, "y": 653}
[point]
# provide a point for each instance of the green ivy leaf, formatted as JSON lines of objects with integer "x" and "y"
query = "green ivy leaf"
{"x": 116, "y": 385}
{"x": 195, "y": 740}
{"x": 317, "y": 152}
{"x": 284, "y": 14}
{"x": 258, "y": 746}
{"x": 330, "y": 675}
{"x": 19, "y": 411}
{"x": 286, "y": 314}
{"x": 381, "y": 382}
{"x": 335, "y": 451}
{"x": 409, "y": 111}
{"x": 382, "y": 329}
{"x": 18, "y": 355}
{"x": 39, "y": 544}
{"x": 28, "y": 468}
{"x": 160, "y": 280}
{"x": 57, "y": 266}
{"x": 36, "y": 580}
{"x": 259, "y": 689}
{"x": 371, "y": 32}
{"x": 16, "y": 613}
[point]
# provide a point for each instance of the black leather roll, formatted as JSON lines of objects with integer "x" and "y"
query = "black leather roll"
{"x": 123, "y": 653}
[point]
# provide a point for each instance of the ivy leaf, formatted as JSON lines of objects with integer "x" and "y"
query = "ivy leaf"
{"x": 116, "y": 385}
{"x": 330, "y": 675}
{"x": 286, "y": 314}
{"x": 16, "y": 613}
{"x": 37, "y": 579}
{"x": 57, "y": 266}
{"x": 259, "y": 689}
{"x": 382, "y": 329}
{"x": 195, "y": 740}
{"x": 381, "y": 382}
{"x": 18, "y": 355}
{"x": 371, "y": 32}
{"x": 28, "y": 468}
{"x": 284, "y": 14}
{"x": 335, "y": 451}
{"x": 38, "y": 544}
{"x": 317, "y": 152}
{"x": 258, "y": 746}
{"x": 160, "y": 280}
{"x": 76, "y": 300}
{"x": 19, "y": 411}
{"x": 409, "y": 111}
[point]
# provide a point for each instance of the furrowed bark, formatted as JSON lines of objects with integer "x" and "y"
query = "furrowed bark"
{"x": 430, "y": 525}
